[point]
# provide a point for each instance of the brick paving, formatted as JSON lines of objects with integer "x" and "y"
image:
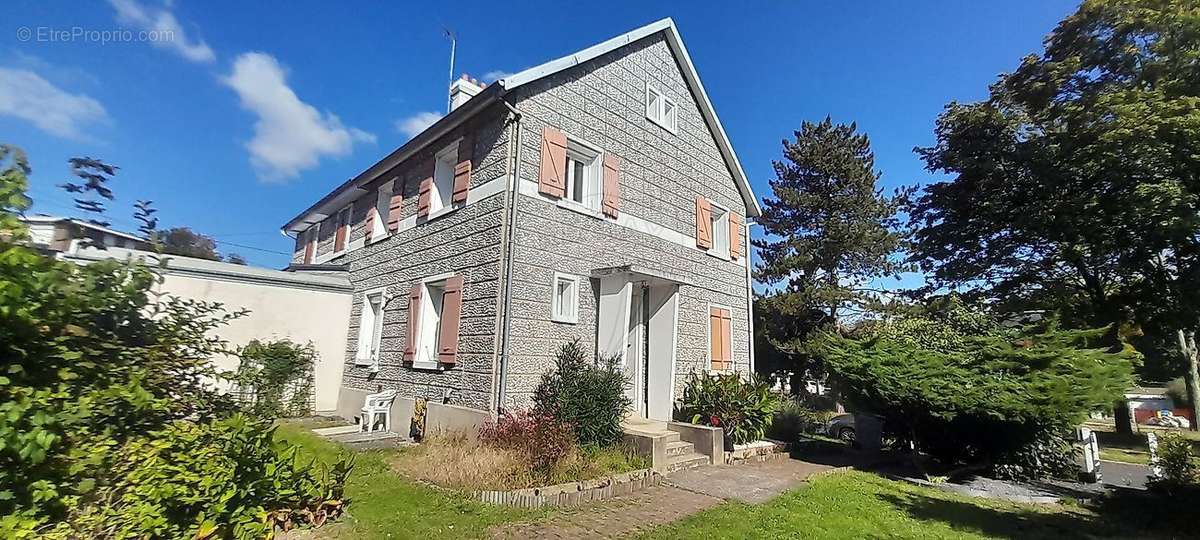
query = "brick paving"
{"x": 684, "y": 493}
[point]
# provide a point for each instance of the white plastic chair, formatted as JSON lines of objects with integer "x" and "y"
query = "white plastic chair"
{"x": 376, "y": 405}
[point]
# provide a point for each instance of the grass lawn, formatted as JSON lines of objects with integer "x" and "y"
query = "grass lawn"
{"x": 863, "y": 505}
{"x": 385, "y": 505}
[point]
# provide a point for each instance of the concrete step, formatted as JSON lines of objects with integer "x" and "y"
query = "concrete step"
{"x": 680, "y": 448}
{"x": 337, "y": 430}
{"x": 686, "y": 461}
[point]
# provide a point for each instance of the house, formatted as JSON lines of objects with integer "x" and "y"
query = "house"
{"x": 594, "y": 197}
{"x": 53, "y": 233}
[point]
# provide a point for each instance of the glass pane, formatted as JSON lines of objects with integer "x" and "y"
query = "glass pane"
{"x": 652, "y": 104}
{"x": 578, "y": 191}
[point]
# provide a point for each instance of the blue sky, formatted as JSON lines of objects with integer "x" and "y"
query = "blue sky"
{"x": 254, "y": 110}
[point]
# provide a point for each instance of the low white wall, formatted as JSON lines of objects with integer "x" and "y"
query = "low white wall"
{"x": 301, "y": 307}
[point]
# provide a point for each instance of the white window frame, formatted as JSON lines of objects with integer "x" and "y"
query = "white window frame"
{"x": 370, "y": 329}
{"x": 657, "y": 112}
{"x": 720, "y": 229}
{"x": 443, "y": 172}
{"x": 383, "y": 200}
{"x": 580, "y": 150}
{"x": 556, "y": 315}
{"x": 425, "y": 355}
{"x": 708, "y": 334}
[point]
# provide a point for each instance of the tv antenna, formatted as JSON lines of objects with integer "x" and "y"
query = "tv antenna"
{"x": 450, "y": 36}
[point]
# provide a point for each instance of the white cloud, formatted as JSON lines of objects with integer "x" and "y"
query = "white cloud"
{"x": 167, "y": 32}
{"x": 415, "y": 124}
{"x": 27, "y": 96}
{"x": 290, "y": 135}
{"x": 496, "y": 75}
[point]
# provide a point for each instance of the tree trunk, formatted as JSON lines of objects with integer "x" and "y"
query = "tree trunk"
{"x": 1187, "y": 348}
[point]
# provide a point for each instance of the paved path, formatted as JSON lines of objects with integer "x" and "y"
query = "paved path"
{"x": 684, "y": 493}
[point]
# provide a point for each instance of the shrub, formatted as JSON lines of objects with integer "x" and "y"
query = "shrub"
{"x": 224, "y": 479}
{"x": 743, "y": 408}
{"x": 794, "y": 418}
{"x": 542, "y": 439}
{"x": 1180, "y": 469}
{"x": 588, "y": 396}
{"x": 274, "y": 378}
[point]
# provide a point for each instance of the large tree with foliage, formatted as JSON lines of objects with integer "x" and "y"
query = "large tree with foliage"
{"x": 964, "y": 389}
{"x": 1074, "y": 186}
{"x": 828, "y": 233}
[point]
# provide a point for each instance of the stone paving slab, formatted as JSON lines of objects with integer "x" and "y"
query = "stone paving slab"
{"x": 685, "y": 493}
{"x": 751, "y": 483}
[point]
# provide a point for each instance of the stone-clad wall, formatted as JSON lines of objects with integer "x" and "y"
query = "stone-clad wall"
{"x": 466, "y": 241}
{"x": 602, "y": 101}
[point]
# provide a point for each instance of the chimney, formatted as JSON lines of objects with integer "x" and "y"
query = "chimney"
{"x": 463, "y": 89}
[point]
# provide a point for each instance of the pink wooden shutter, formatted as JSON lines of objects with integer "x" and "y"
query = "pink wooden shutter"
{"x": 726, "y": 340}
{"x": 703, "y": 223}
{"x": 735, "y": 237}
{"x": 414, "y": 314}
{"x": 423, "y": 198}
{"x": 339, "y": 236}
{"x": 309, "y": 244}
{"x": 370, "y": 221}
{"x": 451, "y": 314}
{"x": 462, "y": 171}
{"x": 552, "y": 178}
{"x": 395, "y": 206}
{"x": 611, "y": 200}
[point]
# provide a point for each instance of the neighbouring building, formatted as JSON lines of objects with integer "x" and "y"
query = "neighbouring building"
{"x": 595, "y": 198}
{"x": 55, "y": 233}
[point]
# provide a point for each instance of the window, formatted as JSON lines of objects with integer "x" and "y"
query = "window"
{"x": 443, "y": 178}
{"x": 564, "y": 299}
{"x": 370, "y": 329}
{"x": 431, "y": 323}
{"x": 661, "y": 109}
{"x": 383, "y": 200}
{"x": 583, "y": 175}
{"x": 720, "y": 338}
{"x": 720, "y": 232}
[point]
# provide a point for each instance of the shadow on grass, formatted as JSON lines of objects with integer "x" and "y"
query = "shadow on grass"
{"x": 1122, "y": 514}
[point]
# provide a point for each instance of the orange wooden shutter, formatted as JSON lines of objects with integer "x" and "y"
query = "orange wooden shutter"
{"x": 735, "y": 236}
{"x": 552, "y": 178}
{"x": 370, "y": 221}
{"x": 611, "y": 201}
{"x": 414, "y": 321}
{"x": 703, "y": 223}
{"x": 339, "y": 236}
{"x": 423, "y": 197}
{"x": 451, "y": 314}
{"x": 395, "y": 206}
{"x": 726, "y": 340}
{"x": 309, "y": 244}
{"x": 462, "y": 171}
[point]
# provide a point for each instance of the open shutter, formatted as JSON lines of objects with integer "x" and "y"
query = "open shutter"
{"x": 339, "y": 236}
{"x": 309, "y": 244}
{"x": 726, "y": 339}
{"x": 462, "y": 171}
{"x": 451, "y": 314}
{"x": 414, "y": 321}
{"x": 611, "y": 201}
{"x": 703, "y": 223}
{"x": 395, "y": 206}
{"x": 735, "y": 236}
{"x": 719, "y": 339}
{"x": 552, "y": 178}
{"x": 423, "y": 197}
{"x": 370, "y": 221}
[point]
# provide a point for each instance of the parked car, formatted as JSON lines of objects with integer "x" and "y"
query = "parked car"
{"x": 841, "y": 427}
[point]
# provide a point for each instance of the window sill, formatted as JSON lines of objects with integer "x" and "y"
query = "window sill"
{"x": 426, "y": 366}
{"x": 441, "y": 212}
{"x": 662, "y": 124}
{"x": 718, "y": 254}
{"x": 378, "y": 238}
{"x": 582, "y": 209}
{"x": 564, "y": 320}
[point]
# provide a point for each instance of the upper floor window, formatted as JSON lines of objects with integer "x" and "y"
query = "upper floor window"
{"x": 720, "y": 231}
{"x": 661, "y": 109}
{"x": 443, "y": 178}
{"x": 379, "y": 225}
{"x": 583, "y": 174}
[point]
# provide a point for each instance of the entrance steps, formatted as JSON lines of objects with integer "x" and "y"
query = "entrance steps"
{"x": 663, "y": 445}
{"x": 355, "y": 439}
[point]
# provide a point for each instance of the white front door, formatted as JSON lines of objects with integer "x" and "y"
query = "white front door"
{"x": 634, "y": 355}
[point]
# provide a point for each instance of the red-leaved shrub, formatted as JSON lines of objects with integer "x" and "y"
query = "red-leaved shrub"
{"x": 540, "y": 438}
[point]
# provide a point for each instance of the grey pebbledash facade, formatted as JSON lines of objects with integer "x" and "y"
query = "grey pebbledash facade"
{"x": 644, "y": 289}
